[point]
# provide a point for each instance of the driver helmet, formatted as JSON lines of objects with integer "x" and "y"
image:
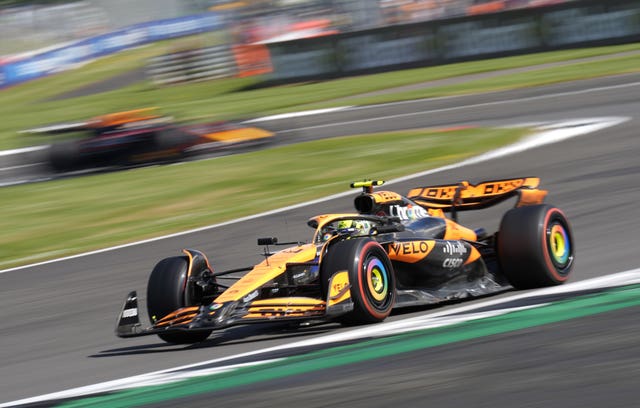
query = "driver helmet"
{"x": 362, "y": 227}
{"x": 344, "y": 224}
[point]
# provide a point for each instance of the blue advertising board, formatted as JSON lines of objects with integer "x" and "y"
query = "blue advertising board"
{"x": 65, "y": 57}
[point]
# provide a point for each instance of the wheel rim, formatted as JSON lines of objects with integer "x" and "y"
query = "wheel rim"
{"x": 559, "y": 245}
{"x": 377, "y": 280}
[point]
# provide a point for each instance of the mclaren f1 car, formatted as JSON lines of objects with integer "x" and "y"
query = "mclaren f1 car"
{"x": 394, "y": 251}
{"x": 142, "y": 136}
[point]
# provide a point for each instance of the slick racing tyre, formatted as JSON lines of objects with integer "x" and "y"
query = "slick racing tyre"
{"x": 370, "y": 275}
{"x": 172, "y": 143}
{"x": 64, "y": 156}
{"x": 535, "y": 246}
{"x": 166, "y": 293}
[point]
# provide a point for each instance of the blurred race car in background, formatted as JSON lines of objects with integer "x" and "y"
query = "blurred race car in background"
{"x": 395, "y": 251}
{"x": 142, "y": 136}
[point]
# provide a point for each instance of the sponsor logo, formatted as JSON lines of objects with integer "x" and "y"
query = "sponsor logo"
{"x": 454, "y": 248}
{"x": 129, "y": 313}
{"x": 371, "y": 51}
{"x": 407, "y": 212}
{"x": 300, "y": 275}
{"x": 584, "y": 24}
{"x": 250, "y": 296}
{"x": 339, "y": 287}
{"x": 501, "y": 187}
{"x": 385, "y": 196}
{"x": 215, "y": 306}
{"x": 452, "y": 263}
{"x": 409, "y": 248}
{"x": 442, "y": 192}
{"x": 476, "y": 37}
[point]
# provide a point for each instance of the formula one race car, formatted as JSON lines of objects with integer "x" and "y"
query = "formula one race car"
{"x": 395, "y": 251}
{"x": 142, "y": 136}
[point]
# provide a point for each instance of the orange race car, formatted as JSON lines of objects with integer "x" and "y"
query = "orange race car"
{"x": 395, "y": 251}
{"x": 142, "y": 136}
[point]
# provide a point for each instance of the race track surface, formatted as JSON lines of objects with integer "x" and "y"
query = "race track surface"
{"x": 58, "y": 318}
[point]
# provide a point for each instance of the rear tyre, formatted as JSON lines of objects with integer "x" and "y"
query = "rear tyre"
{"x": 64, "y": 156}
{"x": 535, "y": 246}
{"x": 166, "y": 293}
{"x": 173, "y": 139}
{"x": 371, "y": 276}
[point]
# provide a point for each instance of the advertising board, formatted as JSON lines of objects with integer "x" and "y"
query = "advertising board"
{"x": 67, "y": 56}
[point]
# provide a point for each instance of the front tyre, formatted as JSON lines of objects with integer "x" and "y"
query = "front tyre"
{"x": 166, "y": 293}
{"x": 370, "y": 275}
{"x": 535, "y": 246}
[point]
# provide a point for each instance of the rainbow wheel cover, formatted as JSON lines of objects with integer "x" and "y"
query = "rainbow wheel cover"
{"x": 377, "y": 279}
{"x": 559, "y": 245}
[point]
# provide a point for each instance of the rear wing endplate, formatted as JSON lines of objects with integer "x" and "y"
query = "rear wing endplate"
{"x": 465, "y": 196}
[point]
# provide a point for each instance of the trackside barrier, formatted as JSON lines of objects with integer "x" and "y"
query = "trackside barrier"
{"x": 252, "y": 59}
{"x": 56, "y": 60}
{"x": 210, "y": 63}
{"x": 579, "y": 23}
{"x": 192, "y": 65}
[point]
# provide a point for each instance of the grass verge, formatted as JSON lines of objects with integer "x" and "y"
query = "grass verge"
{"x": 579, "y": 71}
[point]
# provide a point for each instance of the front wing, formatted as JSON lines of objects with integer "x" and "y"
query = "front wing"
{"x": 216, "y": 316}
{"x": 221, "y": 315}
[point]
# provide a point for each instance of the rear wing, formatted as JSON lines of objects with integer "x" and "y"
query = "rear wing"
{"x": 465, "y": 196}
{"x": 122, "y": 118}
{"x": 111, "y": 120}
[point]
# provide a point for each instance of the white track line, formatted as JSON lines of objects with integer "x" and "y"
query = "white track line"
{"x": 555, "y": 132}
{"x": 298, "y": 114}
{"x": 23, "y": 150}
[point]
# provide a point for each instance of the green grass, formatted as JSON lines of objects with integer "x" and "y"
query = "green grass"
{"x": 47, "y": 220}
{"x": 24, "y": 106}
{"x": 615, "y": 66}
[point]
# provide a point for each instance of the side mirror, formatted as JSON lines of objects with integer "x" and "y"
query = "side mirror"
{"x": 385, "y": 229}
{"x": 267, "y": 241}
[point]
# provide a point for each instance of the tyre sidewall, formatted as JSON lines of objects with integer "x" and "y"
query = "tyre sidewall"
{"x": 361, "y": 274}
{"x": 166, "y": 293}
{"x": 165, "y": 290}
{"x": 64, "y": 156}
